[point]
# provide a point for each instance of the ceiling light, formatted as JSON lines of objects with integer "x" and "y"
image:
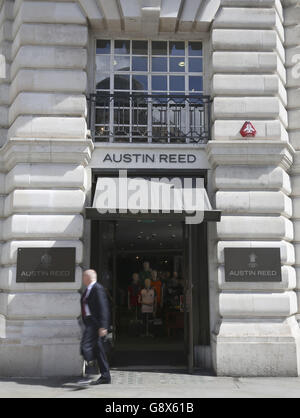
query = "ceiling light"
{"x": 182, "y": 64}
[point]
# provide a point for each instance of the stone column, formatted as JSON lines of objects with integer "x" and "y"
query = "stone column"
{"x": 6, "y": 22}
{"x": 6, "y": 16}
{"x": 292, "y": 42}
{"x": 44, "y": 159}
{"x": 257, "y": 333}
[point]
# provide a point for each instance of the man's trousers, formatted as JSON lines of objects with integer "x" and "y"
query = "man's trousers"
{"x": 92, "y": 347}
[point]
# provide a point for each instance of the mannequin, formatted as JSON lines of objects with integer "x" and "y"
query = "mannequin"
{"x": 106, "y": 281}
{"x": 147, "y": 300}
{"x": 146, "y": 272}
{"x": 174, "y": 291}
{"x": 134, "y": 290}
{"x": 156, "y": 283}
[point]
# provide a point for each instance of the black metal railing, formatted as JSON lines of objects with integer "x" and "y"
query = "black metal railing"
{"x": 156, "y": 118}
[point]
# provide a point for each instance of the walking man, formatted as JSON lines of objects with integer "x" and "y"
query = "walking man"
{"x": 95, "y": 316}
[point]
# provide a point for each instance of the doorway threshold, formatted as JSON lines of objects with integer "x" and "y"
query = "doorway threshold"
{"x": 153, "y": 368}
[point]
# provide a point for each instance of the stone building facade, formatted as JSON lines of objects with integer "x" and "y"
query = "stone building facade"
{"x": 252, "y": 73}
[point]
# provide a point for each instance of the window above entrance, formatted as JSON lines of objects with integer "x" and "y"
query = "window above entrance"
{"x": 149, "y": 91}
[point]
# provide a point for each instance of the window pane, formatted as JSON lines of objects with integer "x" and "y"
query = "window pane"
{"x": 157, "y": 115}
{"x": 121, "y": 133}
{"x": 159, "y": 83}
{"x": 177, "y": 83}
{"x": 102, "y": 116}
{"x": 139, "y": 82}
{"x": 122, "y": 47}
{"x": 103, "y": 46}
{"x": 121, "y": 117}
{"x": 103, "y": 63}
{"x": 122, "y": 82}
{"x": 159, "y": 48}
{"x": 121, "y": 63}
{"x": 176, "y": 69}
{"x": 139, "y": 64}
{"x": 177, "y": 48}
{"x": 102, "y": 133}
{"x": 195, "y": 65}
{"x": 139, "y": 47}
{"x": 139, "y": 101}
{"x": 159, "y": 65}
{"x": 122, "y": 99}
{"x": 139, "y": 117}
{"x": 195, "y": 49}
{"x": 177, "y": 65}
{"x": 195, "y": 83}
{"x": 102, "y": 81}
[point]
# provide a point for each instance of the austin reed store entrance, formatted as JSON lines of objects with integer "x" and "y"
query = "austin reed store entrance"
{"x": 154, "y": 268}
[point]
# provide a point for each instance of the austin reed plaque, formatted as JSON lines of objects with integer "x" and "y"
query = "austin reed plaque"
{"x": 252, "y": 265}
{"x": 46, "y": 265}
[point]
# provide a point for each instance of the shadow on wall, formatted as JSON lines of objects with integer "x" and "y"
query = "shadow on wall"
{"x": 2, "y": 66}
{"x": 3, "y": 132}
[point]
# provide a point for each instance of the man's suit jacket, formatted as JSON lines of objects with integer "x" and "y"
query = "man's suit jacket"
{"x": 99, "y": 307}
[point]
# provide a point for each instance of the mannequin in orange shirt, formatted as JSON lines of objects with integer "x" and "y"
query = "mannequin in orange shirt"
{"x": 157, "y": 285}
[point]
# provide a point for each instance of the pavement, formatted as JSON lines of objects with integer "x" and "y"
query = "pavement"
{"x": 153, "y": 384}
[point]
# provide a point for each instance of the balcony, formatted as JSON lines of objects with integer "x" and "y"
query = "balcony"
{"x": 140, "y": 118}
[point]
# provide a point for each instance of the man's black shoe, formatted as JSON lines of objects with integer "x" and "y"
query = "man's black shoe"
{"x": 101, "y": 381}
{"x": 84, "y": 382}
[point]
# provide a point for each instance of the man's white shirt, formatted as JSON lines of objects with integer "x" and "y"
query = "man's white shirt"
{"x": 86, "y": 306}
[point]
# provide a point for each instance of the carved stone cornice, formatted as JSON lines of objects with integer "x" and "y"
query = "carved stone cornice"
{"x": 249, "y": 152}
{"x": 19, "y": 150}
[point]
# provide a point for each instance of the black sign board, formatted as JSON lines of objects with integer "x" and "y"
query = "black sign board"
{"x": 252, "y": 265}
{"x": 46, "y": 265}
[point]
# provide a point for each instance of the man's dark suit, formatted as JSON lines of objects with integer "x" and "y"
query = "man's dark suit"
{"x": 92, "y": 346}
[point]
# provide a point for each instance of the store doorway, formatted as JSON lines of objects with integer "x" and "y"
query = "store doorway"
{"x": 172, "y": 256}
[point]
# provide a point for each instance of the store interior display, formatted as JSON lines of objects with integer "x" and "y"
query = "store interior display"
{"x": 151, "y": 302}
{"x": 146, "y": 260}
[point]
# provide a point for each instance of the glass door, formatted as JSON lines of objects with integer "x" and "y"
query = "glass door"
{"x": 197, "y": 291}
{"x": 105, "y": 265}
{"x": 188, "y": 296}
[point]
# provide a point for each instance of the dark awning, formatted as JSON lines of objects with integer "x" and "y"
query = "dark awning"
{"x": 94, "y": 214}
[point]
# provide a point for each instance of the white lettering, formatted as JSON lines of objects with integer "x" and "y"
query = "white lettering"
{"x": 117, "y": 408}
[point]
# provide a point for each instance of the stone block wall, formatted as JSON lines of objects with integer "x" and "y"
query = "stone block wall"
{"x": 292, "y": 43}
{"x": 45, "y": 152}
{"x": 43, "y": 182}
{"x": 6, "y": 22}
{"x": 257, "y": 333}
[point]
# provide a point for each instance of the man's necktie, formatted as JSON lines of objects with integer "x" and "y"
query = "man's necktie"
{"x": 83, "y": 300}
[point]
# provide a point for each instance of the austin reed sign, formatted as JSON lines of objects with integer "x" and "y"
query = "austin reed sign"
{"x": 44, "y": 265}
{"x": 252, "y": 265}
